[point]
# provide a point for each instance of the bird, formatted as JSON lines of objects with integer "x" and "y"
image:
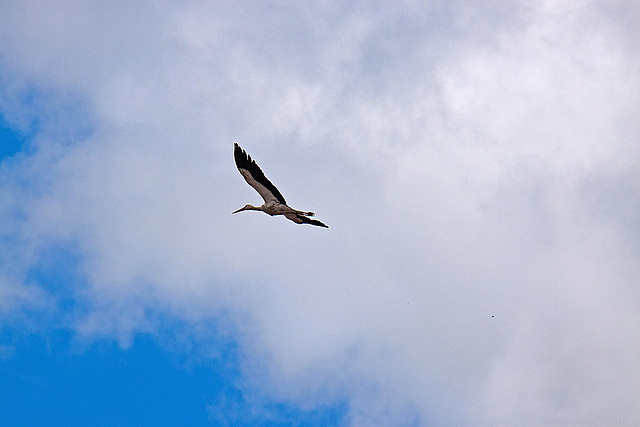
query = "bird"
{"x": 274, "y": 203}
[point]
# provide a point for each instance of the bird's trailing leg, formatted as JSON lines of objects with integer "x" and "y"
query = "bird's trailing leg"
{"x": 301, "y": 213}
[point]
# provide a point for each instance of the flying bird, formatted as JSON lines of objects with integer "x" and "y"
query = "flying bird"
{"x": 274, "y": 203}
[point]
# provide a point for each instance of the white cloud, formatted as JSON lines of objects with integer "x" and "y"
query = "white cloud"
{"x": 463, "y": 172}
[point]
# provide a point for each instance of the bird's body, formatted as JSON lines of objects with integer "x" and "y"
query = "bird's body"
{"x": 274, "y": 203}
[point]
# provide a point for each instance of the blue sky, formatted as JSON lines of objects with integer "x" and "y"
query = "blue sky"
{"x": 478, "y": 166}
{"x": 12, "y": 141}
{"x": 50, "y": 379}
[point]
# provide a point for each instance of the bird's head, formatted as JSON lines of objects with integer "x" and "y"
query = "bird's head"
{"x": 246, "y": 208}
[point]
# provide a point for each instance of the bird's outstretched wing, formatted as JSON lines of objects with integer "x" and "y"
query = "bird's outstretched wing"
{"x": 301, "y": 219}
{"x": 255, "y": 177}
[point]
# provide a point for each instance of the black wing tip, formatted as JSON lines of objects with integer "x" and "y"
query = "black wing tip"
{"x": 307, "y": 220}
{"x": 238, "y": 150}
{"x": 243, "y": 160}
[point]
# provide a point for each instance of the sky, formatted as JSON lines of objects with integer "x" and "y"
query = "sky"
{"x": 478, "y": 164}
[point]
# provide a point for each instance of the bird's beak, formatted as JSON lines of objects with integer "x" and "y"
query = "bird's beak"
{"x": 241, "y": 209}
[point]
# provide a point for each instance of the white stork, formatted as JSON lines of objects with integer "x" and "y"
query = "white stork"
{"x": 274, "y": 203}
